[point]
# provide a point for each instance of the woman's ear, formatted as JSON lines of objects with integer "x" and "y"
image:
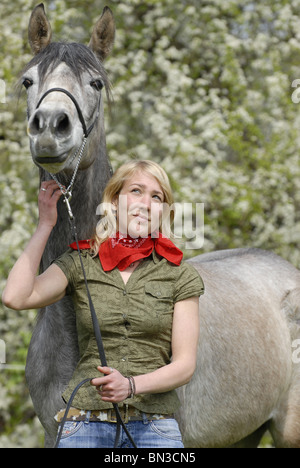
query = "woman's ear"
{"x": 114, "y": 203}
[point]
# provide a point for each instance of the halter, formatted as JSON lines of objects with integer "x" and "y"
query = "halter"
{"x": 67, "y": 193}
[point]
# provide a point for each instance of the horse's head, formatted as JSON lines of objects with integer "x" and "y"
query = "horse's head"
{"x": 59, "y": 119}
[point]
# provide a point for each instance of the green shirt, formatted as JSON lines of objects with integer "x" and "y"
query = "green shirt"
{"x": 135, "y": 321}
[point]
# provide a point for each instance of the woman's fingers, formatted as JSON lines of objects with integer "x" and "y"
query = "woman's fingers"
{"x": 49, "y": 187}
{"x": 113, "y": 387}
{"x": 48, "y": 197}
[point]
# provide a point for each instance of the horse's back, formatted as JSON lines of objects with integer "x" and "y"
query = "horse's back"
{"x": 244, "y": 358}
{"x": 239, "y": 275}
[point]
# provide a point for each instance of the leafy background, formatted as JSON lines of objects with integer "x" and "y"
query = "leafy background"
{"x": 202, "y": 87}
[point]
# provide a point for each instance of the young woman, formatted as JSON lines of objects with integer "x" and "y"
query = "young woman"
{"x": 146, "y": 299}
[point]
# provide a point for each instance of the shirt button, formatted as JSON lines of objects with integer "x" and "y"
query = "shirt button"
{"x": 124, "y": 293}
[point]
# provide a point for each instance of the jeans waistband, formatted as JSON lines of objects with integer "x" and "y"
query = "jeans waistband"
{"x": 128, "y": 413}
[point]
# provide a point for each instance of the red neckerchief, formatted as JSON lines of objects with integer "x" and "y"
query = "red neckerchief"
{"x": 121, "y": 251}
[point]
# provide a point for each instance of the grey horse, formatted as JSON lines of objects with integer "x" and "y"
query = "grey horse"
{"x": 56, "y": 133}
{"x": 247, "y": 379}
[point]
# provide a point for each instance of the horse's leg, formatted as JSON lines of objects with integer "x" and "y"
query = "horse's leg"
{"x": 49, "y": 440}
{"x": 285, "y": 426}
{"x": 252, "y": 440}
{"x": 51, "y": 359}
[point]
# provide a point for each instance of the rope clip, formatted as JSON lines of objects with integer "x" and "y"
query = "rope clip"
{"x": 67, "y": 198}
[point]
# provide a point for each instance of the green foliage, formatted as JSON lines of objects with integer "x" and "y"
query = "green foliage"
{"x": 202, "y": 87}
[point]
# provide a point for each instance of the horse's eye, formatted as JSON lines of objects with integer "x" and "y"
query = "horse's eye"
{"x": 96, "y": 84}
{"x": 27, "y": 82}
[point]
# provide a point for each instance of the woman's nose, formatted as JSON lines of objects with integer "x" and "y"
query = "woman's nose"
{"x": 146, "y": 201}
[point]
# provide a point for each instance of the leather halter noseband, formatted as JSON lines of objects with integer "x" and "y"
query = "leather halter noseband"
{"x": 86, "y": 131}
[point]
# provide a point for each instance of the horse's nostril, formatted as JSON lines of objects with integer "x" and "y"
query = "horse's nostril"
{"x": 62, "y": 123}
{"x": 37, "y": 124}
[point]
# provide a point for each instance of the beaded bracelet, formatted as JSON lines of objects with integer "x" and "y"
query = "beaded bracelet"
{"x": 132, "y": 389}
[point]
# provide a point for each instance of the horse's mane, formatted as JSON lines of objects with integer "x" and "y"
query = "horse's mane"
{"x": 78, "y": 57}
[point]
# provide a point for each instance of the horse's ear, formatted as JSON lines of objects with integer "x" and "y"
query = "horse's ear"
{"x": 103, "y": 35}
{"x": 39, "y": 29}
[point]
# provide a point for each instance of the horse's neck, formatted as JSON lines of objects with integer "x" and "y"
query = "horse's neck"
{"x": 87, "y": 192}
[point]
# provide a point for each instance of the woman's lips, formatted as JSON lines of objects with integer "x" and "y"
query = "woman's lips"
{"x": 141, "y": 218}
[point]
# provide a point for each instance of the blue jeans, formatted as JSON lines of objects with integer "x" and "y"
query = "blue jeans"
{"x": 162, "y": 433}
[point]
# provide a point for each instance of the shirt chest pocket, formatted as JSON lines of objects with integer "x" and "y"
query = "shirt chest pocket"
{"x": 158, "y": 297}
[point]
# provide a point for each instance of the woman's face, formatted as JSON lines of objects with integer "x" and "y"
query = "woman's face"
{"x": 139, "y": 206}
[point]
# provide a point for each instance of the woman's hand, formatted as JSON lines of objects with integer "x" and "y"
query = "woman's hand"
{"x": 113, "y": 387}
{"x": 48, "y": 197}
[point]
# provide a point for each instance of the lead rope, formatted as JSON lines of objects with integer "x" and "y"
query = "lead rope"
{"x": 98, "y": 336}
{"x": 67, "y": 193}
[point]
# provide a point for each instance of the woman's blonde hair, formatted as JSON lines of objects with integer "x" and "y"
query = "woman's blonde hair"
{"x": 106, "y": 227}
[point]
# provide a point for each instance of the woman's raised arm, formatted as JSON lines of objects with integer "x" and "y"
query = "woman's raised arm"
{"x": 24, "y": 289}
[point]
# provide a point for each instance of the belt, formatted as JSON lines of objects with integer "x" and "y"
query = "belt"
{"x": 128, "y": 413}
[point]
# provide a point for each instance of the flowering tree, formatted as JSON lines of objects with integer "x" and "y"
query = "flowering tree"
{"x": 208, "y": 89}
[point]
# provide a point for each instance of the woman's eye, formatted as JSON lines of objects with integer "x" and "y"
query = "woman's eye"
{"x": 27, "y": 82}
{"x": 96, "y": 84}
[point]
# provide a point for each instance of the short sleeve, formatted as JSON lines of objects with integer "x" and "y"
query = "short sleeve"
{"x": 66, "y": 262}
{"x": 189, "y": 283}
